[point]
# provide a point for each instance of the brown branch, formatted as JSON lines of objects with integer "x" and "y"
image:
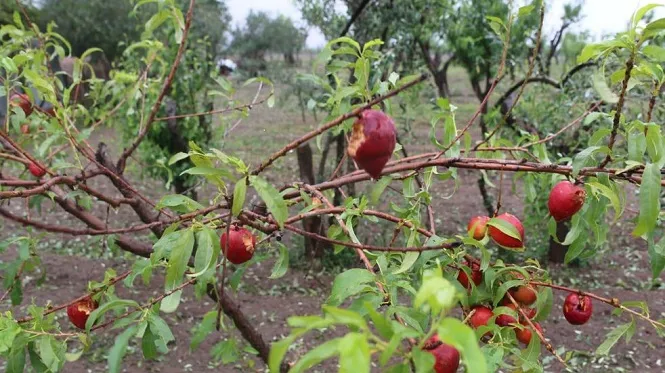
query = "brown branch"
{"x": 165, "y": 88}
{"x": 619, "y": 109}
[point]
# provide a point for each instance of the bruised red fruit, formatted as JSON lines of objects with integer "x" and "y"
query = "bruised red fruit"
{"x": 481, "y": 316}
{"x": 446, "y": 357}
{"x": 524, "y": 334}
{"x": 78, "y": 312}
{"x": 35, "y": 170}
{"x": 577, "y": 308}
{"x": 372, "y": 141}
{"x": 476, "y": 275}
{"x": 241, "y": 245}
{"x": 566, "y": 199}
{"x": 25, "y": 128}
{"x": 505, "y": 320}
{"x": 505, "y": 240}
{"x": 479, "y": 226}
{"x": 23, "y": 101}
{"x": 525, "y": 295}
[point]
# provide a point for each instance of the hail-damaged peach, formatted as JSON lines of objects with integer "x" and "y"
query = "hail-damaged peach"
{"x": 372, "y": 141}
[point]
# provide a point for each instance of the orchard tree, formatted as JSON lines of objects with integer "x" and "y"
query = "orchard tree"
{"x": 395, "y": 311}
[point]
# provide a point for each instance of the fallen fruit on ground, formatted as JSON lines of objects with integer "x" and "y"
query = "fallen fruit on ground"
{"x": 23, "y": 101}
{"x": 372, "y": 141}
{"x": 241, "y": 245}
{"x": 524, "y": 334}
{"x": 577, "y": 309}
{"x": 79, "y": 312}
{"x": 35, "y": 170}
{"x": 479, "y": 226}
{"x": 566, "y": 199}
{"x": 446, "y": 357}
{"x": 476, "y": 275}
{"x": 505, "y": 240}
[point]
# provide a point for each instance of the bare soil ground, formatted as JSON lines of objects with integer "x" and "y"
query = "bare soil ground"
{"x": 622, "y": 271}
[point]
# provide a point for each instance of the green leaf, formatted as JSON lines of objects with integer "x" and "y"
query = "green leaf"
{"x": 582, "y": 158}
{"x": 653, "y": 28}
{"x": 179, "y": 203}
{"x": 116, "y": 304}
{"x": 349, "y": 318}
{"x": 639, "y": 14}
{"x": 148, "y": 344}
{"x": 525, "y": 10}
{"x": 657, "y": 257}
{"x": 282, "y": 263}
{"x": 437, "y": 292}
{"x": 613, "y": 337}
{"x": 354, "y": 356}
{"x": 381, "y": 323}
{"x": 348, "y": 283}
{"x": 177, "y": 157}
{"x": 274, "y": 201}
{"x": 239, "y": 193}
{"x": 603, "y": 90}
{"x": 209, "y": 172}
{"x": 320, "y": 353}
{"x": 278, "y": 350}
{"x": 119, "y": 349}
{"x": 407, "y": 262}
{"x": 378, "y": 187}
{"x": 161, "y": 329}
{"x": 176, "y": 270}
{"x": 207, "y": 251}
{"x": 454, "y": 332}
{"x": 608, "y": 193}
{"x": 423, "y": 360}
{"x": 649, "y": 200}
{"x": 202, "y": 330}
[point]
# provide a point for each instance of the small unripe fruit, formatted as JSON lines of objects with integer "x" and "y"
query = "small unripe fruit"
{"x": 79, "y": 312}
{"x": 524, "y": 334}
{"x": 25, "y": 128}
{"x": 481, "y": 316}
{"x": 446, "y": 357}
{"x": 372, "y": 141}
{"x": 566, "y": 199}
{"x": 23, "y": 101}
{"x": 525, "y": 295}
{"x": 241, "y": 245}
{"x": 476, "y": 275}
{"x": 479, "y": 226}
{"x": 36, "y": 170}
{"x": 505, "y": 240}
{"x": 577, "y": 308}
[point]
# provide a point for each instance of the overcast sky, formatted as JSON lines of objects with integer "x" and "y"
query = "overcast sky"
{"x": 601, "y": 16}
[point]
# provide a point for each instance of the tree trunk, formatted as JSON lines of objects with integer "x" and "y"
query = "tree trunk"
{"x": 313, "y": 248}
{"x": 557, "y": 252}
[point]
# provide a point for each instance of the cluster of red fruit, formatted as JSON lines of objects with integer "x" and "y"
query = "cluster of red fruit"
{"x": 565, "y": 200}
